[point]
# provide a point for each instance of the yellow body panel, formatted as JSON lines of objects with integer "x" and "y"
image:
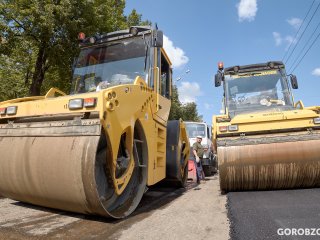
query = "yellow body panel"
{"x": 106, "y": 155}
{"x": 131, "y": 103}
{"x": 119, "y": 109}
{"x": 269, "y": 150}
{"x": 265, "y": 121}
{"x": 265, "y": 148}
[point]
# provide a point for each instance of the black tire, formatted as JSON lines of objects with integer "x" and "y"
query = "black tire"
{"x": 215, "y": 164}
{"x": 208, "y": 170}
{"x": 120, "y": 206}
{"x": 184, "y": 179}
{"x": 176, "y": 162}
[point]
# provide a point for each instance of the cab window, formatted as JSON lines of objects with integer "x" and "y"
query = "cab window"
{"x": 165, "y": 75}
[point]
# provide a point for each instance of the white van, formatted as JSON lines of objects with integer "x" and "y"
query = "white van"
{"x": 209, "y": 161}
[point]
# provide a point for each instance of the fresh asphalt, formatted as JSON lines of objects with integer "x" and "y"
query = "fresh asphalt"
{"x": 163, "y": 213}
{"x": 283, "y": 214}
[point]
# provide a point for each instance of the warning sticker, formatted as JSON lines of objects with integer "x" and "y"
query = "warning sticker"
{"x": 252, "y": 74}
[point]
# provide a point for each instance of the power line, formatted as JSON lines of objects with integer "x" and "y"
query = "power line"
{"x": 306, "y": 52}
{"x": 302, "y": 33}
{"x": 300, "y": 53}
{"x": 298, "y": 30}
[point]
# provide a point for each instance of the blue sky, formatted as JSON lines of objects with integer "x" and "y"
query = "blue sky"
{"x": 199, "y": 34}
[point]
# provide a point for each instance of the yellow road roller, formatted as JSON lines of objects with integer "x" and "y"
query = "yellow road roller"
{"x": 96, "y": 150}
{"x": 263, "y": 139}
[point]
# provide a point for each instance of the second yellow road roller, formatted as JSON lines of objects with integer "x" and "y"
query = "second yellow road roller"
{"x": 264, "y": 139}
{"x": 97, "y": 149}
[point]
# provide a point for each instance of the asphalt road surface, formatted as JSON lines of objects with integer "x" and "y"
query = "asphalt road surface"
{"x": 164, "y": 213}
{"x": 168, "y": 213}
{"x": 285, "y": 214}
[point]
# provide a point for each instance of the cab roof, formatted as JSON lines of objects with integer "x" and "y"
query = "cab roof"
{"x": 117, "y": 35}
{"x": 254, "y": 67}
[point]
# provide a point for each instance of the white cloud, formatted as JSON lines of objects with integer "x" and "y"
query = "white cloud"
{"x": 295, "y": 22}
{"x": 289, "y": 40}
{"x": 316, "y": 72}
{"x": 277, "y": 38}
{"x": 247, "y": 10}
{"x": 189, "y": 91}
{"x": 208, "y": 106}
{"x": 176, "y": 54}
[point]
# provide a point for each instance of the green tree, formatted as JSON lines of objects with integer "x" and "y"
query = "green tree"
{"x": 50, "y": 28}
{"x": 187, "y": 112}
{"x": 15, "y": 72}
{"x": 175, "y": 111}
{"x": 190, "y": 112}
{"x": 135, "y": 19}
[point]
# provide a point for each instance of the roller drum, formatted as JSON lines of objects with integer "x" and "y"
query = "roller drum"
{"x": 275, "y": 165}
{"x": 68, "y": 172}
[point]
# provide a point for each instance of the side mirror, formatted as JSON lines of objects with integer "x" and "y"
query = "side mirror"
{"x": 158, "y": 38}
{"x": 218, "y": 79}
{"x": 294, "y": 81}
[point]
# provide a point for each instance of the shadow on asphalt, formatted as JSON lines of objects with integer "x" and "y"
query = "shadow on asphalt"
{"x": 156, "y": 197}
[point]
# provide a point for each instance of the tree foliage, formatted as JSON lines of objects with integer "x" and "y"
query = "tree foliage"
{"x": 15, "y": 72}
{"x": 41, "y": 37}
{"x": 187, "y": 112}
{"x": 135, "y": 19}
{"x": 38, "y": 44}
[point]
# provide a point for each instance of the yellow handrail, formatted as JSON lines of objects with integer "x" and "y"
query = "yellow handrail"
{"x": 26, "y": 99}
{"x": 53, "y": 91}
{"x": 299, "y": 103}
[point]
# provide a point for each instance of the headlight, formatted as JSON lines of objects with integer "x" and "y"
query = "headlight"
{"x": 12, "y": 110}
{"x": 233, "y": 128}
{"x": 92, "y": 40}
{"x": 316, "y": 120}
{"x": 76, "y": 104}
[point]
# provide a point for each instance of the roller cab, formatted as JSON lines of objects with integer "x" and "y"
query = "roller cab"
{"x": 96, "y": 150}
{"x": 263, "y": 139}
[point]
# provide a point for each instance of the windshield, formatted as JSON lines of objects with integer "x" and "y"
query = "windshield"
{"x": 196, "y": 129}
{"x": 109, "y": 65}
{"x": 257, "y": 91}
